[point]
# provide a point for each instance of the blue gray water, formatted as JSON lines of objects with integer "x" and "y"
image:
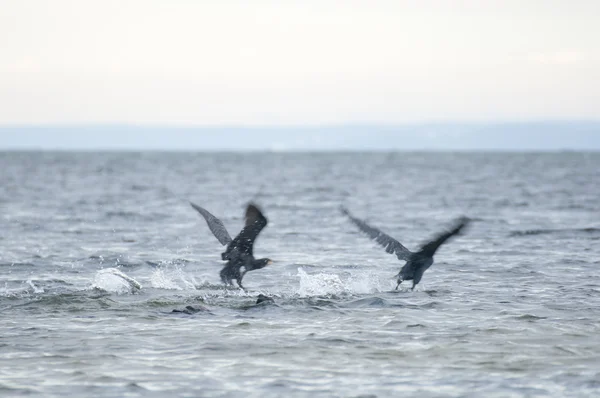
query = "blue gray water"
{"x": 510, "y": 308}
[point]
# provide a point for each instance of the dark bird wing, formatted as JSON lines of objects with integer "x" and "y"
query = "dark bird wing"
{"x": 430, "y": 248}
{"x": 390, "y": 244}
{"x": 215, "y": 225}
{"x": 243, "y": 244}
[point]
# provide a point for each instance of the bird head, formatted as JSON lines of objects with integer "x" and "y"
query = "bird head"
{"x": 261, "y": 263}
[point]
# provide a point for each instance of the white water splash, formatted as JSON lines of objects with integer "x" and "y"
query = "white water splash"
{"x": 323, "y": 284}
{"x": 34, "y": 287}
{"x": 114, "y": 281}
{"x": 367, "y": 282}
{"x": 172, "y": 279}
{"x": 319, "y": 284}
{"x": 161, "y": 280}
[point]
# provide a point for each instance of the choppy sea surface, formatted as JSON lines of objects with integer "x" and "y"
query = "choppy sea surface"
{"x": 98, "y": 249}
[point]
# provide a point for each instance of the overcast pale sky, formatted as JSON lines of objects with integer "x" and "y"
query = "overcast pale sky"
{"x": 262, "y": 62}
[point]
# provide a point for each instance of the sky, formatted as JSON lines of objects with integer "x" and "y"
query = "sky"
{"x": 297, "y": 63}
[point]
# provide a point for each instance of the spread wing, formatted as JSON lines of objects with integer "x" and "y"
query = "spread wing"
{"x": 215, "y": 225}
{"x": 243, "y": 244}
{"x": 430, "y": 248}
{"x": 390, "y": 244}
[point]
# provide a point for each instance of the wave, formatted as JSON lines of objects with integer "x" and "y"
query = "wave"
{"x": 589, "y": 230}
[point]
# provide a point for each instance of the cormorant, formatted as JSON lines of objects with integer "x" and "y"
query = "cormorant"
{"x": 239, "y": 253}
{"x": 416, "y": 262}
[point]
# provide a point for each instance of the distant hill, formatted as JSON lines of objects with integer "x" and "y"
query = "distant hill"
{"x": 514, "y": 136}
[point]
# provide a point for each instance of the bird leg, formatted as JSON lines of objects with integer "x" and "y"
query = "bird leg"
{"x": 239, "y": 282}
{"x": 398, "y": 285}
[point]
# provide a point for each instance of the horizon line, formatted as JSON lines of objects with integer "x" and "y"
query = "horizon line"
{"x": 298, "y": 151}
{"x": 300, "y": 125}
